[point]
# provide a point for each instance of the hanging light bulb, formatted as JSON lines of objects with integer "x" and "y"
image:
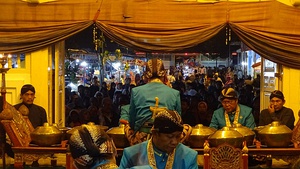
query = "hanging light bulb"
{"x": 227, "y": 35}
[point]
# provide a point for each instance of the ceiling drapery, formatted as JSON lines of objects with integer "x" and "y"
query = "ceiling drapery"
{"x": 270, "y": 28}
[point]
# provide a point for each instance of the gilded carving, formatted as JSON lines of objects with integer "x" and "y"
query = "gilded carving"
{"x": 24, "y": 110}
{"x": 18, "y": 128}
{"x": 225, "y": 157}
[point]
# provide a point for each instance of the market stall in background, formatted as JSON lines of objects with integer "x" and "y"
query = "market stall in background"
{"x": 82, "y": 66}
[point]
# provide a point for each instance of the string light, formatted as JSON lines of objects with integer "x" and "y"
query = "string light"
{"x": 95, "y": 38}
{"x": 227, "y": 35}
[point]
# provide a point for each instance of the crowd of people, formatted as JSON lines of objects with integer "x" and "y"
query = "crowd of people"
{"x": 198, "y": 96}
{"x": 158, "y": 113}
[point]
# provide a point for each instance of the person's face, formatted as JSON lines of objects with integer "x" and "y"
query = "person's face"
{"x": 116, "y": 98}
{"x": 86, "y": 116}
{"x": 219, "y": 85}
{"x": 166, "y": 142}
{"x": 107, "y": 103}
{"x": 202, "y": 108}
{"x": 137, "y": 78}
{"x": 28, "y": 97}
{"x": 80, "y": 90}
{"x": 229, "y": 104}
{"x": 94, "y": 81}
{"x": 87, "y": 92}
{"x": 277, "y": 103}
{"x": 184, "y": 106}
{"x": 119, "y": 86}
{"x": 188, "y": 87}
{"x": 127, "y": 81}
{"x": 75, "y": 98}
{"x": 99, "y": 97}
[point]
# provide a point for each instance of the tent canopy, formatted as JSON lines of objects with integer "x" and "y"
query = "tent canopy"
{"x": 270, "y": 28}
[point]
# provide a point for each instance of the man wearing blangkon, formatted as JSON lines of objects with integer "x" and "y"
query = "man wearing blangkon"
{"x": 37, "y": 114}
{"x": 277, "y": 112}
{"x": 140, "y": 119}
{"x": 231, "y": 112}
{"x": 163, "y": 150}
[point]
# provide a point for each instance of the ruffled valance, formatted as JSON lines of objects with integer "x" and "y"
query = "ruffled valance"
{"x": 270, "y": 28}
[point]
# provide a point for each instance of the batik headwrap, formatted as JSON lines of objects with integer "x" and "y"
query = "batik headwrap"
{"x": 26, "y": 88}
{"x": 154, "y": 68}
{"x": 168, "y": 121}
{"x": 278, "y": 94}
{"x": 90, "y": 144}
{"x": 228, "y": 93}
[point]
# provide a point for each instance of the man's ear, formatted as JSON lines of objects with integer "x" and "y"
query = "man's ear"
{"x": 154, "y": 132}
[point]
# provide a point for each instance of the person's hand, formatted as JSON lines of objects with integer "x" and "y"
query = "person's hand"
{"x": 271, "y": 109}
{"x": 123, "y": 121}
{"x": 256, "y": 143}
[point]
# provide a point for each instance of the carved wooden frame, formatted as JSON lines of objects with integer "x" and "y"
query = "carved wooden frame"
{"x": 225, "y": 156}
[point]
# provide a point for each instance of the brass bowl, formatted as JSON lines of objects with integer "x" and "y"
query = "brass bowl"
{"x": 225, "y": 135}
{"x": 46, "y": 135}
{"x": 118, "y": 136}
{"x": 276, "y": 135}
{"x": 246, "y": 132}
{"x": 199, "y": 134}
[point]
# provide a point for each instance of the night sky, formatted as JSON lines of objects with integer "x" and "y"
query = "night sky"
{"x": 84, "y": 40}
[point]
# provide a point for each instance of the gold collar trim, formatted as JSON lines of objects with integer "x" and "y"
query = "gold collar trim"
{"x": 151, "y": 156}
{"x": 108, "y": 166}
{"x": 157, "y": 80}
{"x": 236, "y": 117}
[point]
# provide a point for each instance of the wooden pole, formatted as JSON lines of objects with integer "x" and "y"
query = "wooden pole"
{"x": 3, "y": 70}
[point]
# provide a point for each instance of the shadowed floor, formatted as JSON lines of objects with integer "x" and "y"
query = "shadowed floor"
{"x": 61, "y": 163}
{"x": 44, "y": 163}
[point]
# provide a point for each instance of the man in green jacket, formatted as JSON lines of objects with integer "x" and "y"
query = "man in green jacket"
{"x": 231, "y": 112}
